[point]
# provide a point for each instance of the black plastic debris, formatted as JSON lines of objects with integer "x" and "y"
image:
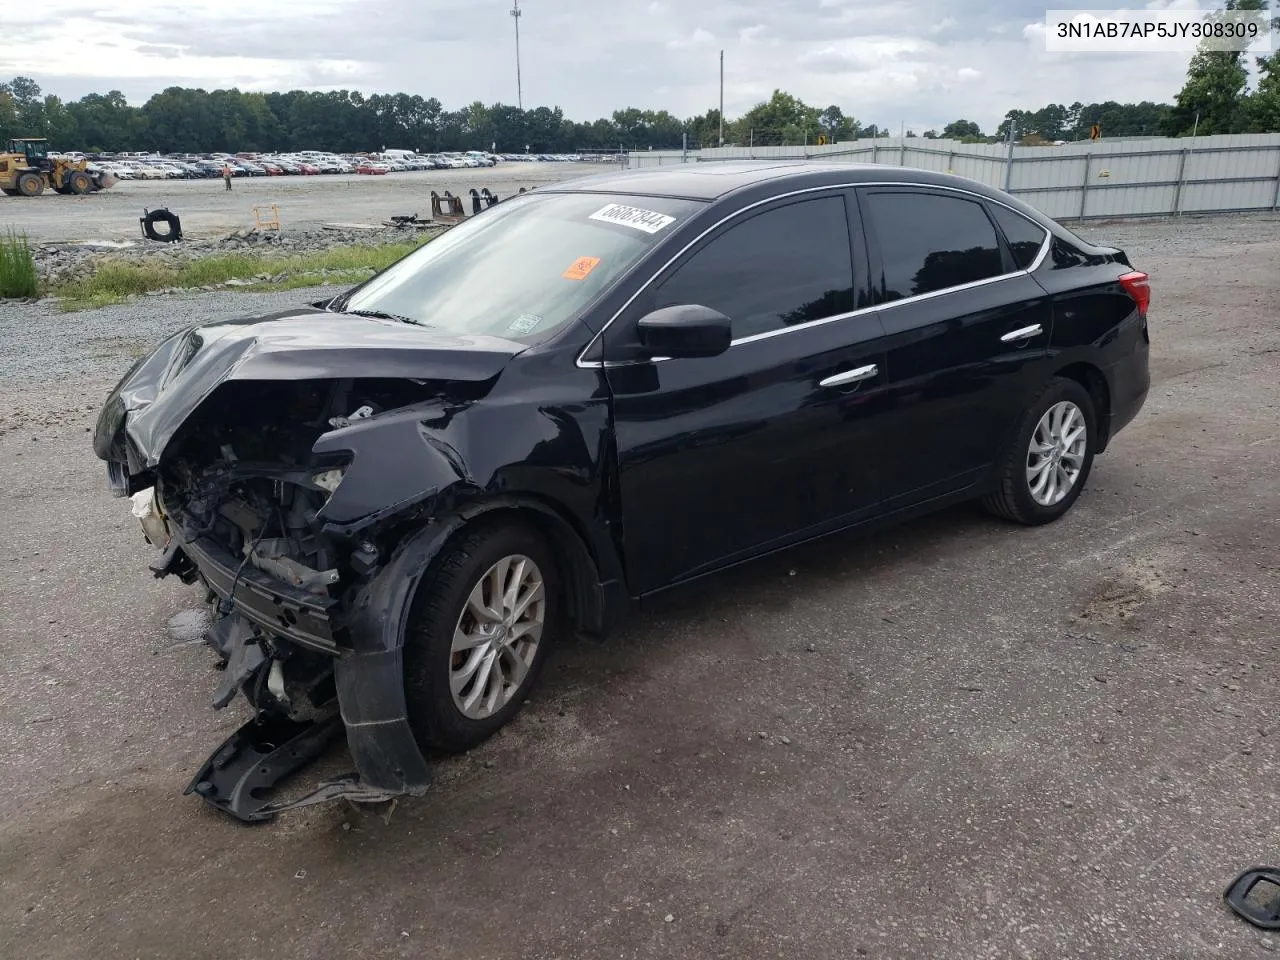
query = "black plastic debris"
{"x": 1255, "y": 896}
{"x": 253, "y": 760}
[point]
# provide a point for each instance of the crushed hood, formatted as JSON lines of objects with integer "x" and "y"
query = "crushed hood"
{"x": 163, "y": 389}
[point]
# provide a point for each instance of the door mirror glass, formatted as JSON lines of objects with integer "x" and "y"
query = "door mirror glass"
{"x": 687, "y": 330}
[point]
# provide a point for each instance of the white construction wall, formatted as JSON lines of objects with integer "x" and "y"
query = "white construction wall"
{"x": 1078, "y": 181}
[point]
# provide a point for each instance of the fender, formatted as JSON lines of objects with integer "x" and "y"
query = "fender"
{"x": 370, "y": 679}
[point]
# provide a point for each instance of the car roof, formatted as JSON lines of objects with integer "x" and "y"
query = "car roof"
{"x": 715, "y": 179}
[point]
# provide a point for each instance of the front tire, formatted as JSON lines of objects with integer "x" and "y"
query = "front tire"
{"x": 1045, "y": 467}
{"x": 478, "y": 634}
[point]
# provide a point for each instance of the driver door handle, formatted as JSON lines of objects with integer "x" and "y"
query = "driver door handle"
{"x": 1022, "y": 333}
{"x": 851, "y": 376}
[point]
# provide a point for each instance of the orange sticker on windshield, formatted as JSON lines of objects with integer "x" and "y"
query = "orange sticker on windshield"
{"x": 581, "y": 268}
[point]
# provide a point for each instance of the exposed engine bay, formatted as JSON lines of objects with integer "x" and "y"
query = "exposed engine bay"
{"x": 242, "y": 472}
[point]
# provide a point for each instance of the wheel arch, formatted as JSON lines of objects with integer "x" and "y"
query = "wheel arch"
{"x": 590, "y": 602}
{"x": 1095, "y": 383}
{"x": 370, "y": 679}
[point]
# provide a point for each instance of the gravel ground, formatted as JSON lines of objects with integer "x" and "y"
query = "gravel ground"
{"x": 206, "y": 209}
{"x": 41, "y": 342}
{"x": 956, "y": 739}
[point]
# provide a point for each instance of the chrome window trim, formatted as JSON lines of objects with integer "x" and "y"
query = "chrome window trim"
{"x": 1035, "y": 265}
{"x": 803, "y": 326}
{"x": 1044, "y": 244}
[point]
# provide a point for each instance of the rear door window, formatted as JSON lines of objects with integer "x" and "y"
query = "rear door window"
{"x": 930, "y": 241}
{"x": 786, "y": 266}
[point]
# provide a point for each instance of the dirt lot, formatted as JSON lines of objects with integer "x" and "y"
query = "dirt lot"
{"x": 206, "y": 208}
{"x": 956, "y": 740}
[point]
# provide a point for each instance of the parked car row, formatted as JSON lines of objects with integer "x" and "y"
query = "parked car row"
{"x": 399, "y": 161}
{"x": 190, "y": 166}
{"x": 558, "y": 157}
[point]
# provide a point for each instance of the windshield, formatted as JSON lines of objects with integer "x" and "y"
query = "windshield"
{"x": 522, "y": 269}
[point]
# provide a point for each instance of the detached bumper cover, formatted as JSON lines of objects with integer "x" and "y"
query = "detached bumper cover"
{"x": 254, "y": 759}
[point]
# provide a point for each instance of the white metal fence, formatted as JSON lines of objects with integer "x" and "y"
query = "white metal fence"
{"x": 1078, "y": 181}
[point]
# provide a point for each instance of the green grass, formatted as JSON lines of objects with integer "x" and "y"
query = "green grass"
{"x": 343, "y": 278}
{"x": 116, "y": 282}
{"x": 17, "y": 267}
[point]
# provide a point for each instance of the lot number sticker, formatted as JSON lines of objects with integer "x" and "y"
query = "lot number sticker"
{"x": 581, "y": 268}
{"x": 647, "y": 220}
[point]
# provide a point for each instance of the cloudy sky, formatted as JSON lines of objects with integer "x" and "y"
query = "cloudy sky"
{"x": 883, "y": 62}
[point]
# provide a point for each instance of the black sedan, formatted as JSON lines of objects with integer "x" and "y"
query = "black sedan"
{"x": 398, "y": 500}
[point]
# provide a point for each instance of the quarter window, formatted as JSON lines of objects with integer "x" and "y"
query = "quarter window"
{"x": 930, "y": 242}
{"x": 1025, "y": 238}
{"x": 786, "y": 266}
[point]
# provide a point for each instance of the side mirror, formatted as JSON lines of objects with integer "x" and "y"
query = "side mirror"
{"x": 688, "y": 330}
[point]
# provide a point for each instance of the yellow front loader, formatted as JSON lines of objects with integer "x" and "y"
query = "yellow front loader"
{"x": 27, "y": 170}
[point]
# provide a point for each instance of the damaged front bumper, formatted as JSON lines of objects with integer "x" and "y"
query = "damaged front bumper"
{"x": 261, "y": 622}
{"x": 290, "y": 613}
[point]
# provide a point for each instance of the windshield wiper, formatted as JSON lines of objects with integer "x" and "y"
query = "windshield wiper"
{"x": 383, "y": 315}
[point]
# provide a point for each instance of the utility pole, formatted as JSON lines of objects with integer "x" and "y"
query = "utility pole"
{"x": 515, "y": 15}
{"x": 722, "y": 98}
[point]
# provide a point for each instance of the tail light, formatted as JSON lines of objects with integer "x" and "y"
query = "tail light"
{"x": 1138, "y": 285}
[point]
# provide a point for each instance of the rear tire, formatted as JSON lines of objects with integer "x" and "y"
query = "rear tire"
{"x": 1043, "y": 470}
{"x": 30, "y": 185}
{"x": 467, "y": 673}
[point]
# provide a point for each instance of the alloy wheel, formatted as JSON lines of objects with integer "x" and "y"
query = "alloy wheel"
{"x": 1055, "y": 456}
{"x": 496, "y": 637}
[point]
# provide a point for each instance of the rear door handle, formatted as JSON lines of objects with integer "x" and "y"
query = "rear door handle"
{"x": 851, "y": 376}
{"x": 1022, "y": 333}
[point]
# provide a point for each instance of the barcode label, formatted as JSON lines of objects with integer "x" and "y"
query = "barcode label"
{"x": 647, "y": 220}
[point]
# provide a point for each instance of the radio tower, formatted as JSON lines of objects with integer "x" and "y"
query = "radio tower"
{"x": 515, "y": 15}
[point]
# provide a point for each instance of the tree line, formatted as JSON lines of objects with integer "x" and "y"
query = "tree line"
{"x": 186, "y": 120}
{"x": 1214, "y": 99}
